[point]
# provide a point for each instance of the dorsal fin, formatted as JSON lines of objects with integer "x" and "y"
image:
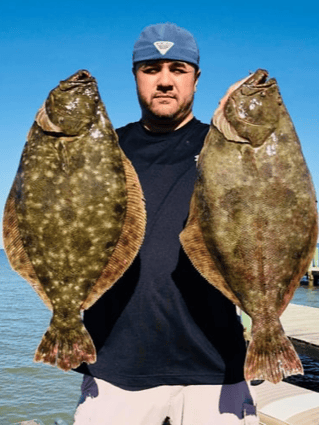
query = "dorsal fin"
{"x": 15, "y": 251}
{"x": 194, "y": 245}
{"x": 131, "y": 238}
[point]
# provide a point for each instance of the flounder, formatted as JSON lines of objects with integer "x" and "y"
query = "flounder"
{"x": 253, "y": 225}
{"x": 75, "y": 216}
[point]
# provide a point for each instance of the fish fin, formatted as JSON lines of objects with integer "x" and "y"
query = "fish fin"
{"x": 43, "y": 121}
{"x": 271, "y": 357}
{"x": 17, "y": 256}
{"x": 219, "y": 120}
{"x": 194, "y": 245}
{"x": 294, "y": 284}
{"x": 303, "y": 267}
{"x": 66, "y": 348}
{"x": 131, "y": 238}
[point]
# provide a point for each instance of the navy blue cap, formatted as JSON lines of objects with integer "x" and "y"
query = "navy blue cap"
{"x": 166, "y": 41}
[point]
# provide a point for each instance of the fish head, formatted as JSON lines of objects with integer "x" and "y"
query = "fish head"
{"x": 250, "y": 109}
{"x": 71, "y": 106}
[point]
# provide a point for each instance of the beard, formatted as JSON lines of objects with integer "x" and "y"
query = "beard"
{"x": 162, "y": 116}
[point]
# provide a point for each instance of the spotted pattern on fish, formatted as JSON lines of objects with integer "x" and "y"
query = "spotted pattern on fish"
{"x": 75, "y": 216}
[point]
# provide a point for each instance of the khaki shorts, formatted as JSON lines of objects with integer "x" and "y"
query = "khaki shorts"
{"x": 106, "y": 404}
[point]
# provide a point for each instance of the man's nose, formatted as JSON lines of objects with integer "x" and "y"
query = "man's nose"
{"x": 165, "y": 81}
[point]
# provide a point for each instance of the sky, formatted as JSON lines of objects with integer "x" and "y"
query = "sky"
{"x": 42, "y": 43}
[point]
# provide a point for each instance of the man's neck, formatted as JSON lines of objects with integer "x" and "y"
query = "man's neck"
{"x": 158, "y": 126}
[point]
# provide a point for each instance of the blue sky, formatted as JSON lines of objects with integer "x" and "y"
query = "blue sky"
{"x": 42, "y": 43}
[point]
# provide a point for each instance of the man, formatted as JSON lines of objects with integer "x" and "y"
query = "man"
{"x": 170, "y": 345}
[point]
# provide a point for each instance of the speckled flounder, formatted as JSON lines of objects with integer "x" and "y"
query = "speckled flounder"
{"x": 75, "y": 217}
{"x": 252, "y": 227}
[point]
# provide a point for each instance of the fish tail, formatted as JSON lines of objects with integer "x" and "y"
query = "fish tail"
{"x": 271, "y": 356}
{"x": 66, "y": 347}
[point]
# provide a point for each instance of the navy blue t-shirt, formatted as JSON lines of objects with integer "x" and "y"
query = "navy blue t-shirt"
{"x": 162, "y": 323}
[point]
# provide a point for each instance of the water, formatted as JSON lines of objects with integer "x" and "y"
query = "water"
{"x": 29, "y": 390}
{"x": 37, "y": 391}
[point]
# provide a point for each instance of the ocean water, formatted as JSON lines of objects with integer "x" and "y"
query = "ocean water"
{"x": 31, "y": 390}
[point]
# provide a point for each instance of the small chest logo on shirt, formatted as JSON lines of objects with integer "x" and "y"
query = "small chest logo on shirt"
{"x": 163, "y": 46}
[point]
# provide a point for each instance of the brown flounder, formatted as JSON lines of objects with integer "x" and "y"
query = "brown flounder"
{"x": 75, "y": 217}
{"x": 252, "y": 227}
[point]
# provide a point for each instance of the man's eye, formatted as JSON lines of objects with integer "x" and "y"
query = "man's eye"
{"x": 178, "y": 71}
{"x": 150, "y": 70}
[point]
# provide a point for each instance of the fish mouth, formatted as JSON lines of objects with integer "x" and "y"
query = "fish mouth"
{"x": 80, "y": 75}
{"x": 257, "y": 82}
{"x": 80, "y": 78}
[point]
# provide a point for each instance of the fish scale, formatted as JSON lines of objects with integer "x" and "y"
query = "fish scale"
{"x": 75, "y": 216}
{"x": 253, "y": 223}
{"x": 79, "y": 188}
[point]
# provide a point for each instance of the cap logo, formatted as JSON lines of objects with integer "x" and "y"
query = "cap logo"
{"x": 163, "y": 46}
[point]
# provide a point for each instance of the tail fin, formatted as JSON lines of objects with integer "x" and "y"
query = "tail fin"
{"x": 66, "y": 347}
{"x": 271, "y": 356}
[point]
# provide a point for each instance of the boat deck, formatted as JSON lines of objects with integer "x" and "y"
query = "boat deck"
{"x": 301, "y": 324}
{"x": 283, "y": 403}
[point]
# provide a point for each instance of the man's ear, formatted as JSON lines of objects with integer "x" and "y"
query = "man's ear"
{"x": 197, "y": 75}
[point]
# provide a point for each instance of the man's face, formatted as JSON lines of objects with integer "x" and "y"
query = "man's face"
{"x": 166, "y": 89}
